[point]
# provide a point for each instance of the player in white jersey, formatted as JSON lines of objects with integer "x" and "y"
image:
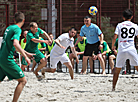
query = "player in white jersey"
{"x": 58, "y": 52}
{"x": 126, "y": 32}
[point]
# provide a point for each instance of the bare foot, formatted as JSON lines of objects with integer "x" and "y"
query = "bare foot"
{"x": 103, "y": 72}
{"x": 113, "y": 89}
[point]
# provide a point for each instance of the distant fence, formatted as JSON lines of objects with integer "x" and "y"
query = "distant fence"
{"x": 57, "y": 16}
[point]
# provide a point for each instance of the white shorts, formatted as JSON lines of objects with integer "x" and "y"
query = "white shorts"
{"x": 122, "y": 56}
{"x": 55, "y": 58}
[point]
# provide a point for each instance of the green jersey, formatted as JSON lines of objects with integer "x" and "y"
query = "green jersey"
{"x": 8, "y": 66}
{"x": 30, "y": 45}
{"x": 7, "y": 49}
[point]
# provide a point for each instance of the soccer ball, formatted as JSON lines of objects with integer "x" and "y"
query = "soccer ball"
{"x": 93, "y": 10}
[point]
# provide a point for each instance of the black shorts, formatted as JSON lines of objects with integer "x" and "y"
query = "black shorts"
{"x": 111, "y": 53}
{"x": 90, "y": 48}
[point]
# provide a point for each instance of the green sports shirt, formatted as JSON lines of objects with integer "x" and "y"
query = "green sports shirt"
{"x": 31, "y": 46}
{"x": 7, "y": 49}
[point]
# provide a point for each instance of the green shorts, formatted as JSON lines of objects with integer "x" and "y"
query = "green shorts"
{"x": 10, "y": 69}
{"x": 37, "y": 57}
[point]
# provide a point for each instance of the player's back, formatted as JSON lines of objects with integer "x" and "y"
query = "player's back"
{"x": 126, "y": 32}
{"x": 7, "y": 49}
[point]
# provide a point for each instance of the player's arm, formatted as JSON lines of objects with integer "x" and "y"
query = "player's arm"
{"x": 78, "y": 40}
{"x": 74, "y": 52}
{"x": 46, "y": 35}
{"x": 57, "y": 41}
{"x": 42, "y": 49}
{"x": 40, "y": 41}
{"x": 113, "y": 41}
{"x": 23, "y": 52}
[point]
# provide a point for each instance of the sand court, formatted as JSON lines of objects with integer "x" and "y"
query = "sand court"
{"x": 58, "y": 87}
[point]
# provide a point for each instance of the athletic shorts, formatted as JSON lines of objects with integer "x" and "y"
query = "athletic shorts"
{"x": 10, "y": 69}
{"x": 90, "y": 48}
{"x": 37, "y": 58}
{"x": 122, "y": 56}
{"x": 55, "y": 58}
{"x": 110, "y": 53}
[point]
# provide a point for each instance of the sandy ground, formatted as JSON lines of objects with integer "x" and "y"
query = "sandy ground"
{"x": 58, "y": 87}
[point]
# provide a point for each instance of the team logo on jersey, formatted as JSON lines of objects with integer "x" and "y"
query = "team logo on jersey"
{"x": 21, "y": 73}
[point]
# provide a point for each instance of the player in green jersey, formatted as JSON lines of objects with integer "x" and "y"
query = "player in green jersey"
{"x": 10, "y": 43}
{"x": 32, "y": 47}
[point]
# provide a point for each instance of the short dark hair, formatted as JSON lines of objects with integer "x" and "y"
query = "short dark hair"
{"x": 32, "y": 24}
{"x": 19, "y": 16}
{"x": 86, "y": 17}
{"x": 73, "y": 28}
{"x": 127, "y": 14}
{"x": 50, "y": 33}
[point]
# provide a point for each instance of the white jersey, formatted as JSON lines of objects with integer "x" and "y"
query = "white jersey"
{"x": 126, "y": 32}
{"x": 65, "y": 41}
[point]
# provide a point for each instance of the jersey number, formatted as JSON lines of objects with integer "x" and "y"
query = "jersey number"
{"x": 124, "y": 33}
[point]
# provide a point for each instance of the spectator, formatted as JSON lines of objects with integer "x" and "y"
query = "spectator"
{"x": 80, "y": 47}
{"x": 112, "y": 56}
{"x": 105, "y": 50}
{"x": 50, "y": 47}
{"x": 23, "y": 43}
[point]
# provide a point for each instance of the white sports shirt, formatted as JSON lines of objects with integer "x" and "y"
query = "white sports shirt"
{"x": 126, "y": 32}
{"x": 65, "y": 41}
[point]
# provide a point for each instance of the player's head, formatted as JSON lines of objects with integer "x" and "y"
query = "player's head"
{"x": 33, "y": 27}
{"x": 25, "y": 33}
{"x": 51, "y": 36}
{"x": 19, "y": 17}
{"x": 127, "y": 14}
{"x": 72, "y": 32}
{"x": 87, "y": 20}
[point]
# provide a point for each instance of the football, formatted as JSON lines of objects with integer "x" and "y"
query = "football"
{"x": 93, "y": 10}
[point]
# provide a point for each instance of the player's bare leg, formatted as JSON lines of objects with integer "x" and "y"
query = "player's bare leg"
{"x": 101, "y": 63}
{"x": 84, "y": 64}
{"x": 34, "y": 64}
{"x": 71, "y": 72}
{"x": 115, "y": 77}
{"x": 42, "y": 64}
{"x": 46, "y": 69}
{"x": 19, "y": 88}
{"x": 71, "y": 57}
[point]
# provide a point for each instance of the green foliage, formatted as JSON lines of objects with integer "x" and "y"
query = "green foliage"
{"x": 107, "y": 29}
